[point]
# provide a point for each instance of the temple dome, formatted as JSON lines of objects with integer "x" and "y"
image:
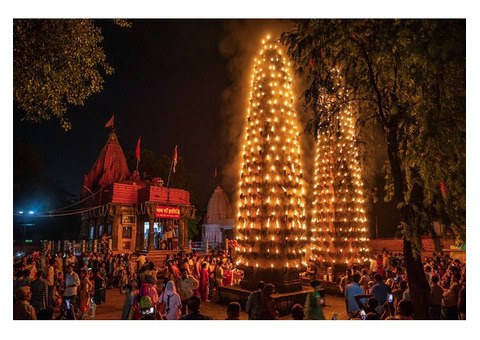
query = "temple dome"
{"x": 219, "y": 207}
{"x": 110, "y": 167}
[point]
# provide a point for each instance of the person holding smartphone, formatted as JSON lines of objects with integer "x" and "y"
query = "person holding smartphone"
{"x": 380, "y": 290}
{"x": 72, "y": 281}
{"x": 371, "y": 304}
{"x": 404, "y": 311}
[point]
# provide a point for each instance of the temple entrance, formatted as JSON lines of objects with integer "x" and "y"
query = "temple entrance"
{"x": 157, "y": 232}
{"x": 126, "y": 232}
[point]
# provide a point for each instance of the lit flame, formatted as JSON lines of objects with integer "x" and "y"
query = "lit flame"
{"x": 271, "y": 136}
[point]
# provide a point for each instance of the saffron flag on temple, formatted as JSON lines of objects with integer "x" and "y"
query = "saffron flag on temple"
{"x": 137, "y": 151}
{"x": 110, "y": 122}
{"x": 174, "y": 159}
{"x": 215, "y": 172}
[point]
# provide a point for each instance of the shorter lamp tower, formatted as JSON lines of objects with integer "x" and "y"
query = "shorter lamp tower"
{"x": 339, "y": 232}
{"x": 271, "y": 218}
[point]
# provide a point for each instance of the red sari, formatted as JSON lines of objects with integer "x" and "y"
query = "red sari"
{"x": 227, "y": 277}
{"x": 175, "y": 270}
{"x": 203, "y": 285}
{"x": 380, "y": 267}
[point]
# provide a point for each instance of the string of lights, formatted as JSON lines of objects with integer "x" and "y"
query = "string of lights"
{"x": 271, "y": 218}
{"x": 338, "y": 233}
{"x": 78, "y": 202}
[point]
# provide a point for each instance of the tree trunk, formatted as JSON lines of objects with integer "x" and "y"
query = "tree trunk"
{"x": 417, "y": 282}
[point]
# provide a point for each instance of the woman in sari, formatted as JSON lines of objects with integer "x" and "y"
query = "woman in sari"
{"x": 227, "y": 275}
{"x": 203, "y": 284}
{"x": 380, "y": 266}
{"x": 84, "y": 294}
{"x": 130, "y": 291}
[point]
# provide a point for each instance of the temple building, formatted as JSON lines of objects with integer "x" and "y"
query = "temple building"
{"x": 125, "y": 207}
{"x": 219, "y": 222}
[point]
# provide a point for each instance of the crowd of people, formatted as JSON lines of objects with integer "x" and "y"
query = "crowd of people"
{"x": 74, "y": 284}
{"x": 380, "y": 291}
{"x": 65, "y": 286}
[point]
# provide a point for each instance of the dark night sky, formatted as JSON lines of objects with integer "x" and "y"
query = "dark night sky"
{"x": 167, "y": 87}
{"x": 178, "y": 82}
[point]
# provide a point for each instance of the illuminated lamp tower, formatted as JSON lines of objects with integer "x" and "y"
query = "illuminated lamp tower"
{"x": 338, "y": 230}
{"x": 271, "y": 219}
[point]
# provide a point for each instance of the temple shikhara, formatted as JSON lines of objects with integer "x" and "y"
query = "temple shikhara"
{"x": 219, "y": 222}
{"x": 137, "y": 214}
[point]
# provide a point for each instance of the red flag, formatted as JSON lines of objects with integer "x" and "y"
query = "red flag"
{"x": 174, "y": 159}
{"x": 443, "y": 188}
{"x": 215, "y": 171}
{"x": 137, "y": 151}
{"x": 110, "y": 122}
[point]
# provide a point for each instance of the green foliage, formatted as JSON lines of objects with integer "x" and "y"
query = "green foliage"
{"x": 56, "y": 63}
{"x": 152, "y": 166}
{"x": 122, "y": 23}
{"x": 194, "y": 226}
{"x": 389, "y": 187}
{"x": 406, "y": 77}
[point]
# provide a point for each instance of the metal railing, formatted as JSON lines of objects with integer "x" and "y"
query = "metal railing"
{"x": 202, "y": 246}
{"x": 76, "y": 247}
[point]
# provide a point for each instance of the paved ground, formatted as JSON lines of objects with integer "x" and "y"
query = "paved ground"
{"x": 112, "y": 309}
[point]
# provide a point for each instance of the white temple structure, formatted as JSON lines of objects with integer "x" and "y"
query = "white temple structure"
{"x": 219, "y": 221}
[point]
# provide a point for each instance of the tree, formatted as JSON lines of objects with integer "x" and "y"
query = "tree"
{"x": 152, "y": 166}
{"x": 408, "y": 78}
{"x": 55, "y": 63}
{"x": 194, "y": 226}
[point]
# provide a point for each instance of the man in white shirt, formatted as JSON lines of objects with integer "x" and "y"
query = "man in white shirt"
{"x": 169, "y": 238}
{"x": 373, "y": 266}
{"x": 70, "y": 259}
{"x": 72, "y": 281}
{"x": 185, "y": 285}
{"x": 386, "y": 262}
{"x": 50, "y": 276}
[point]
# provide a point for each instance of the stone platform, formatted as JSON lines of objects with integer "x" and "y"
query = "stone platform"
{"x": 283, "y": 301}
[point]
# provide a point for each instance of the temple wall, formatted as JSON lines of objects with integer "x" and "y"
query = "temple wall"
{"x": 395, "y": 245}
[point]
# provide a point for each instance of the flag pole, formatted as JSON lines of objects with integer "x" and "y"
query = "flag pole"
{"x": 169, "y": 173}
{"x": 137, "y": 151}
{"x": 172, "y": 165}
